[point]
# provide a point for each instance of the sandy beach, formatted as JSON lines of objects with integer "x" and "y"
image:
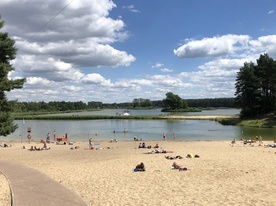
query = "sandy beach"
{"x": 222, "y": 175}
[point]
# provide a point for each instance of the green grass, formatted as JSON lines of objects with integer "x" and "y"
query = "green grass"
{"x": 264, "y": 121}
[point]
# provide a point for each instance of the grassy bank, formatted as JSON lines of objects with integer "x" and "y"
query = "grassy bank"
{"x": 265, "y": 121}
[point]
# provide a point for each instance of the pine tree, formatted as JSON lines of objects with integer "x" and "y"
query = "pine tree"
{"x": 247, "y": 93}
{"x": 266, "y": 72}
{"x": 256, "y": 87}
{"x": 7, "y": 53}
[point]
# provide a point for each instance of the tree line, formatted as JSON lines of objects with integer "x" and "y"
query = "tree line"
{"x": 135, "y": 104}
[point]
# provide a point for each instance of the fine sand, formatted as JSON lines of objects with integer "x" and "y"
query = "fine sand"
{"x": 223, "y": 175}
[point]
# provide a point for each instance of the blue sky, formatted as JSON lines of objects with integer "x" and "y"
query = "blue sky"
{"x": 116, "y": 51}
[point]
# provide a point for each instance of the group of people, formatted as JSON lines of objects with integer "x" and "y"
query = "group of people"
{"x": 250, "y": 142}
{"x": 143, "y": 146}
{"x": 48, "y": 137}
{"x": 35, "y": 148}
{"x": 141, "y": 167}
{"x": 173, "y": 157}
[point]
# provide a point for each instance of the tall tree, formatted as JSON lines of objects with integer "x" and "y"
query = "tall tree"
{"x": 247, "y": 93}
{"x": 266, "y": 72}
{"x": 7, "y": 53}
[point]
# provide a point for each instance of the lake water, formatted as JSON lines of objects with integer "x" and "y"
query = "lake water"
{"x": 141, "y": 129}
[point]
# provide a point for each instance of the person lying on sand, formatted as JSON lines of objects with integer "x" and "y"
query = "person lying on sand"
{"x": 270, "y": 145}
{"x": 173, "y": 157}
{"x": 34, "y": 148}
{"x": 156, "y": 151}
{"x": 140, "y": 167}
{"x": 192, "y": 156}
{"x": 76, "y": 147}
{"x": 178, "y": 167}
{"x": 6, "y": 145}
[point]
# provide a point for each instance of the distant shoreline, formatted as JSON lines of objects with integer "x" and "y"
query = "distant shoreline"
{"x": 152, "y": 117}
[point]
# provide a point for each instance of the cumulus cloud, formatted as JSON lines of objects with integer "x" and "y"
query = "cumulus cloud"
{"x": 96, "y": 79}
{"x": 270, "y": 12}
{"x": 80, "y": 34}
{"x": 264, "y": 44}
{"x": 212, "y": 47}
{"x": 228, "y": 53}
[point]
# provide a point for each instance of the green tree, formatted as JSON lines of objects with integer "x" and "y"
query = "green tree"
{"x": 173, "y": 102}
{"x": 95, "y": 104}
{"x": 141, "y": 103}
{"x": 247, "y": 93}
{"x": 7, "y": 53}
{"x": 266, "y": 72}
{"x": 256, "y": 87}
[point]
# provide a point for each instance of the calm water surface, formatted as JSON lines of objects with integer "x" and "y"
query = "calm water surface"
{"x": 141, "y": 129}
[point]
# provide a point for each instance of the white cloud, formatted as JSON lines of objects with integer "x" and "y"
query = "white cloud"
{"x": 166, "y": 70}
{"x": 96, "y": 79}
{"x": 80, "y": 34}
{"x": 131, "y": 8}
{"x": 264, "y": 44}
{"x": 270, "y": 12}
{"x": 38, "y": 81}
{"x": 212, "y": 47}
{"x": 213, "y": 78}
{"x": 157, "y": 65}
{"x": 71, "y": 88}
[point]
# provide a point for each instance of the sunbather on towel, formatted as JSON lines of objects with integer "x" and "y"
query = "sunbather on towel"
{"x": 173, "y": 157}
{"x": 178, "y": 167}
{"x": 192, "y": 156}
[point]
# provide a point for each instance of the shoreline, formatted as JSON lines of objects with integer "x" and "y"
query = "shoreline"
{"x": 157, "y": 117}
{"x": 222, "y": 175}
